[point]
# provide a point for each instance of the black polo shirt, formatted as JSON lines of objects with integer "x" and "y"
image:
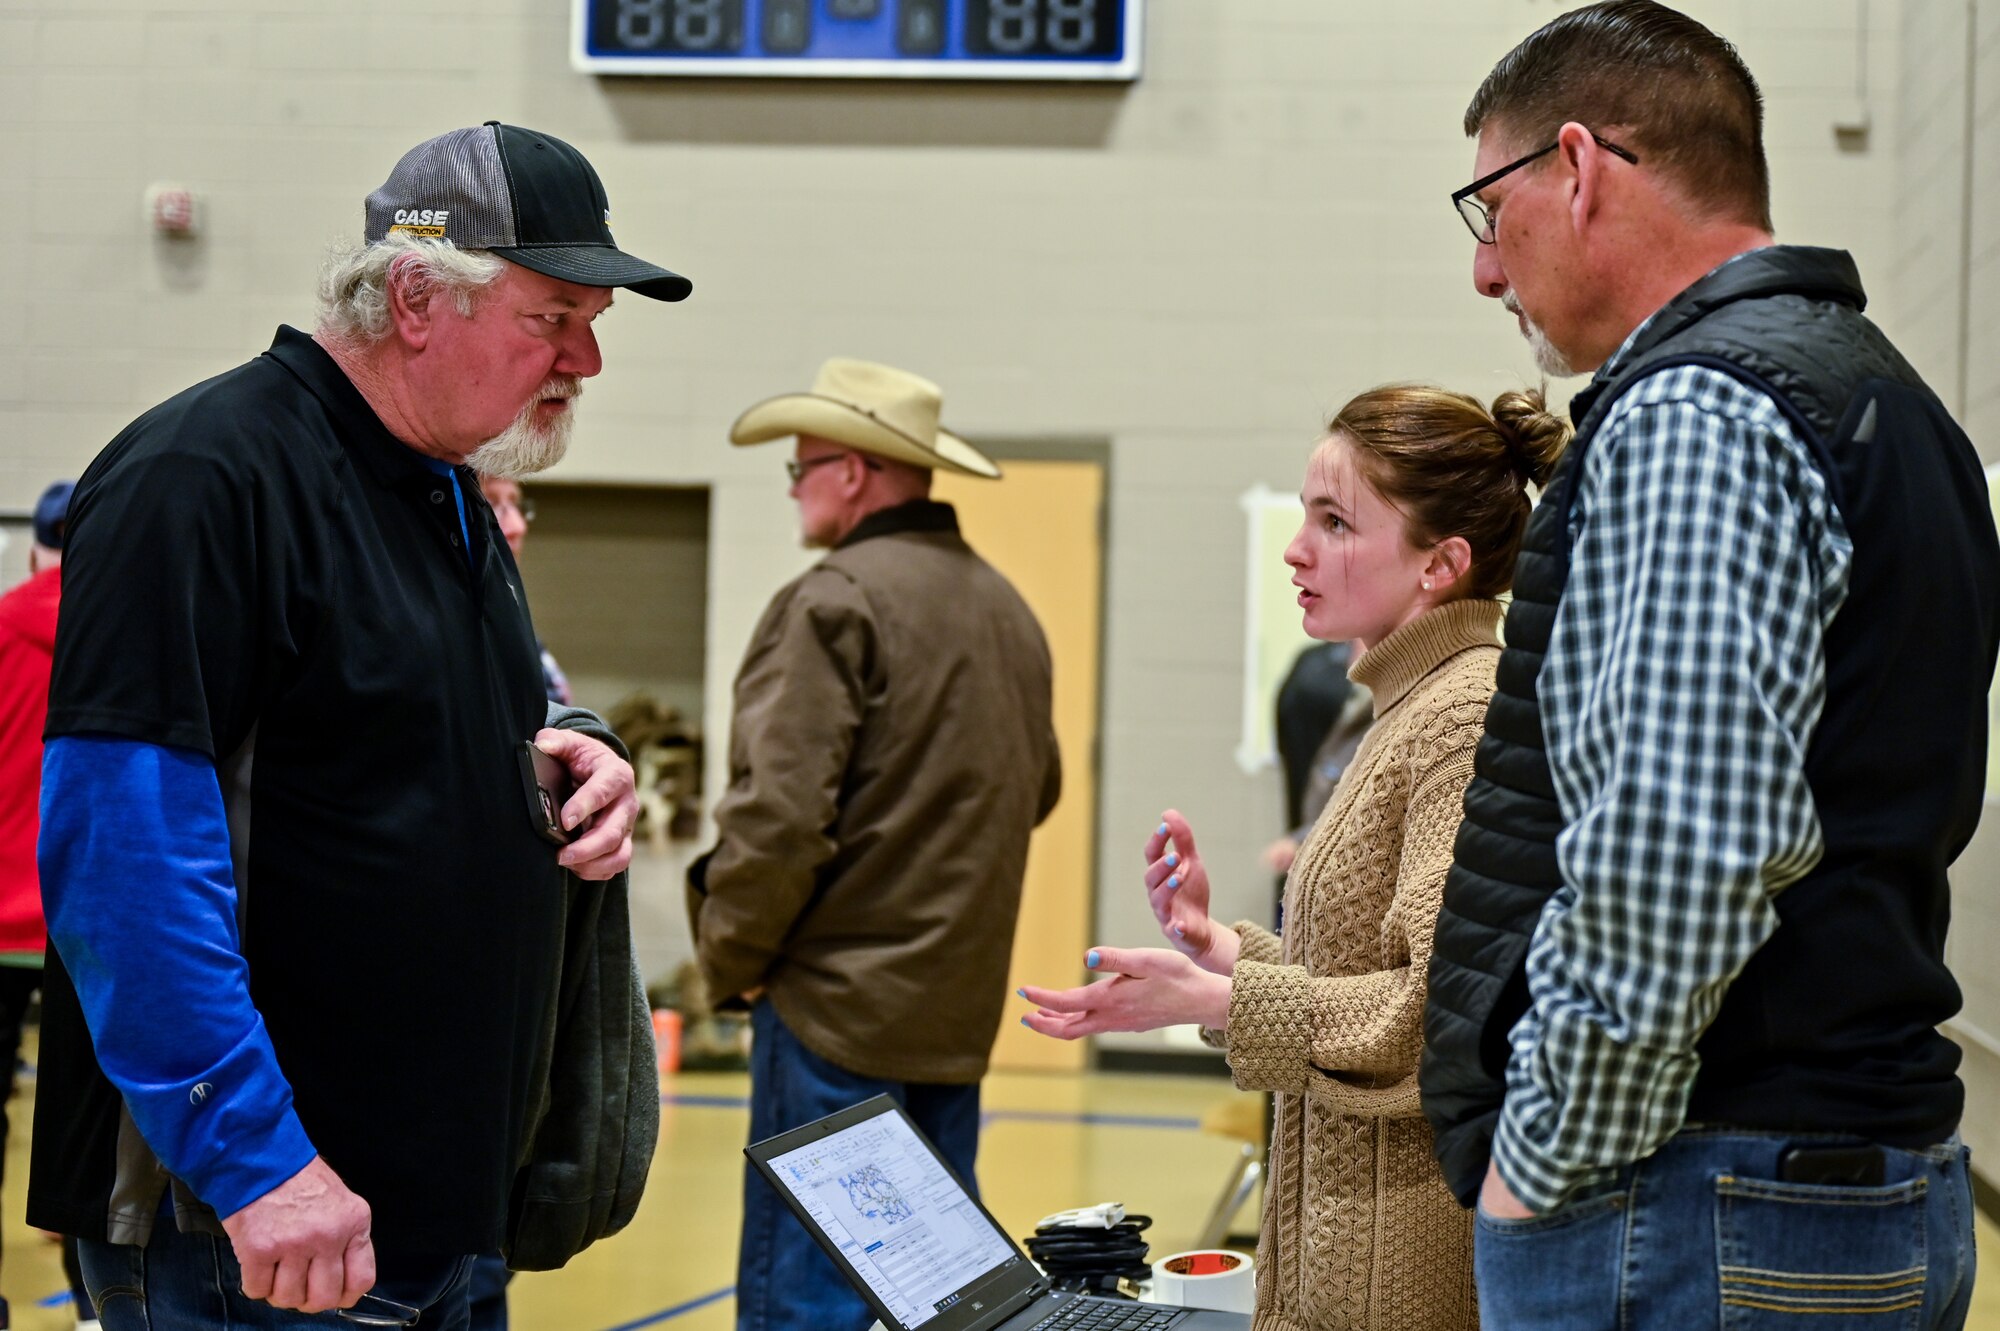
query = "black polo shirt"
{"x": 257, "y": 570}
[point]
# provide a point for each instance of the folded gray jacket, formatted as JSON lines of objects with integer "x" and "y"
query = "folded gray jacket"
{"x": 592, "y": 1136}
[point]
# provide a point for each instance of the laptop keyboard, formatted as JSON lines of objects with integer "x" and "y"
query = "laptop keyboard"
{"x": 1109, "y": 1315}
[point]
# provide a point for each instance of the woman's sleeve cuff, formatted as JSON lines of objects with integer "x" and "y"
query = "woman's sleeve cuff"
{"x": 1270, "y": 1026}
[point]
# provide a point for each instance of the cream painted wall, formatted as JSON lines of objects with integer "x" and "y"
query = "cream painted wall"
{"x": 1982, "y": 321}
{"x": 1196, "y": 268}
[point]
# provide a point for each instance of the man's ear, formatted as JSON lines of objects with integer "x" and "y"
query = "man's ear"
{"x": 411, "y": 295}
{"x": 1582, "y": 165}
{"x": 854, "y": 474}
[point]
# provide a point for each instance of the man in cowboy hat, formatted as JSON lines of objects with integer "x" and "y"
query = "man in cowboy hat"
{"x": 891, "y": 751}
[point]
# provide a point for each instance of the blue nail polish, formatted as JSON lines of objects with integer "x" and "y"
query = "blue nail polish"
{"x": 1172, "y": 859}
{"x": 1092, "y": 959}
{"x": 1024, "y": 1021}
{"x": 1174, "y": 882}
{"x": 1179, "y": 932}
{"x": 1022, "y": 992}
{"x": 1163, "y": 829}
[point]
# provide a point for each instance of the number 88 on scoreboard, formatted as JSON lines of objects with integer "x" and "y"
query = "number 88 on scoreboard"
{"x": 1095, "y": 40}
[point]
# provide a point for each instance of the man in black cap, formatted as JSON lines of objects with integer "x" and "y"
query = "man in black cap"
{"x": 298, "y": 1008}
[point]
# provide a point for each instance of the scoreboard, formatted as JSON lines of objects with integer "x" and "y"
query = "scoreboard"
{"x": 922, "y": 39}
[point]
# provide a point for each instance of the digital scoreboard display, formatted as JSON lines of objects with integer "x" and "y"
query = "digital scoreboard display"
{"x": 922, "y": 39}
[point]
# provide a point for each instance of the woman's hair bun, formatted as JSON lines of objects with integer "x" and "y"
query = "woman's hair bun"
{"x": 1534, "y": 435}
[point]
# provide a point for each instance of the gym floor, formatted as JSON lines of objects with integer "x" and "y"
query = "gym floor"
{"x": 1051, "y": 1141}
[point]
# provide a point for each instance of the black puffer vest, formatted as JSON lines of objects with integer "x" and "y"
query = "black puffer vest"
{"x": 1831, "y": 1027}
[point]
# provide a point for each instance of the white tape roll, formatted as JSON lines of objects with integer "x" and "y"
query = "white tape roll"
{"x": 1207, "y": 1278}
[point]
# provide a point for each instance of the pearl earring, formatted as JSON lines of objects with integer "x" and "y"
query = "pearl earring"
{"x": 1427, "y": 584}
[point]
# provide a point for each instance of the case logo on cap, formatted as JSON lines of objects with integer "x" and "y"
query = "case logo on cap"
{"x": 421, "y": 221}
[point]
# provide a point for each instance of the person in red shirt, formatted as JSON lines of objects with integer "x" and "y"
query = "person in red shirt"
{"x": 27, "y": 641}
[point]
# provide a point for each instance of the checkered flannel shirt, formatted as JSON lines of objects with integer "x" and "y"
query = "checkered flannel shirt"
{"x": 1684, "y": 678}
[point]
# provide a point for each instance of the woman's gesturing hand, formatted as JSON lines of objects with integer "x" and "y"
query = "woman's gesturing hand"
{"x": 1177, "y": 890}
{"x": 1149, "y": 987}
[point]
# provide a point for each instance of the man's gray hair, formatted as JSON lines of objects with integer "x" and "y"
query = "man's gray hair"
{"x": 354, "y": 285}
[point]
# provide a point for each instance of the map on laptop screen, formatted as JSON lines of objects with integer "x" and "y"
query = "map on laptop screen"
{"x": 897, "y": 1215}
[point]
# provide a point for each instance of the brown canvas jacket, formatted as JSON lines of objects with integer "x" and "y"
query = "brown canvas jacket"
{"x": 891, "y": 752}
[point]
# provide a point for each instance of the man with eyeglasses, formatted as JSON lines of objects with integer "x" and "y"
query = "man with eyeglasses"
{"x": 514, "y": 512}
{"x": 1682, "y": 1045}
{"x": 891, "y": 751}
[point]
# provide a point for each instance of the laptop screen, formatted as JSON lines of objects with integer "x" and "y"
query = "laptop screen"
{"x": 881, "y": 1197}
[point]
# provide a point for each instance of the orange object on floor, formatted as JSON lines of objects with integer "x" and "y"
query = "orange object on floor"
{"x": 667, "y": 1039}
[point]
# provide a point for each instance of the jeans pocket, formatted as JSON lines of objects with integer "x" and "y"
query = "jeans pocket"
{"x": 1537, "y": 1271}
{"x": 112, "y": 1273}
{"x": 414, "y": 1295}
{"x": 1831, "y": 1257}
{"x": 1560, "y": 1218}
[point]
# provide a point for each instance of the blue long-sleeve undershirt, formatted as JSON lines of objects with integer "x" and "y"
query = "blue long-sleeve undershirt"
{"x": 140, "y": 896}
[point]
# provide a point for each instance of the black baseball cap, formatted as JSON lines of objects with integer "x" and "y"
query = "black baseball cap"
{"x": 527, "y": 196}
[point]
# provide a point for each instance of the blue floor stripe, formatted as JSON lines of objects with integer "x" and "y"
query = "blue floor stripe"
{"x": 1092, "y": 1120}
{"x": 668, "y": 1314}
{"x": 54, "y": 1300}
{"x": 1086, "y": 1118}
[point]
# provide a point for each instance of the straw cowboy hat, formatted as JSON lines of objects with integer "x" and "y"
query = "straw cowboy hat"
{"x": 871, "y": 408}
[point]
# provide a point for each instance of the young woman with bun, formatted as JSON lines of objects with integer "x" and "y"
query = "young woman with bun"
{"x": 1415, "y": 501}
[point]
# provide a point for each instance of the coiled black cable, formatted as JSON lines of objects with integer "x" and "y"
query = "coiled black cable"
{"x": 1092, "y": 1259}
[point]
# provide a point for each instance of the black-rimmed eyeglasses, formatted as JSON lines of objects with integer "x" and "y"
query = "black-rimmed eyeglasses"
{"x": 797, "y": 468}
{"x": 1479, "y": 220}
{"x": 374, "y": 1310}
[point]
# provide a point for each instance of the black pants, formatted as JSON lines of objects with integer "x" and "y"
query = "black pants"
{"x": 17, "y": 988}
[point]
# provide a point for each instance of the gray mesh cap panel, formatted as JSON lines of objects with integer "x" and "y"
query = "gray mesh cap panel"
{"x": 452, "y": 187}
{"x": 486, "y": 188}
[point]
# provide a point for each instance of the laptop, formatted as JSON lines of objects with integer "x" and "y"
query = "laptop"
{"x": 918, "y": 1247}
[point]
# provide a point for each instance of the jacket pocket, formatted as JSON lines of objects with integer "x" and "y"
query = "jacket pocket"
{"x": 1828, "y": 1257}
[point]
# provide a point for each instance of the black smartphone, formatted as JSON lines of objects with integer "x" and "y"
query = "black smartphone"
{"x": 547, "y": 785}
{"x": 1847, "y": 1166}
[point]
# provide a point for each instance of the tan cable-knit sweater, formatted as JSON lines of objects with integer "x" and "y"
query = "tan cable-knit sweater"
{"x": 1359, "y": 1231}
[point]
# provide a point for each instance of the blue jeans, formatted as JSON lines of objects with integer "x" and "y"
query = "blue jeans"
{"x": 490, "y": 1278}
{"x": 784, "y": 1282}
{"x": 1703, "y": 1234}
{"x": 190, "y": 1282}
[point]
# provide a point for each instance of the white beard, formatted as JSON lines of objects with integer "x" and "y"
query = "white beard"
{"x": 1548, "y": 359}
{"x": 528, "y": 446}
